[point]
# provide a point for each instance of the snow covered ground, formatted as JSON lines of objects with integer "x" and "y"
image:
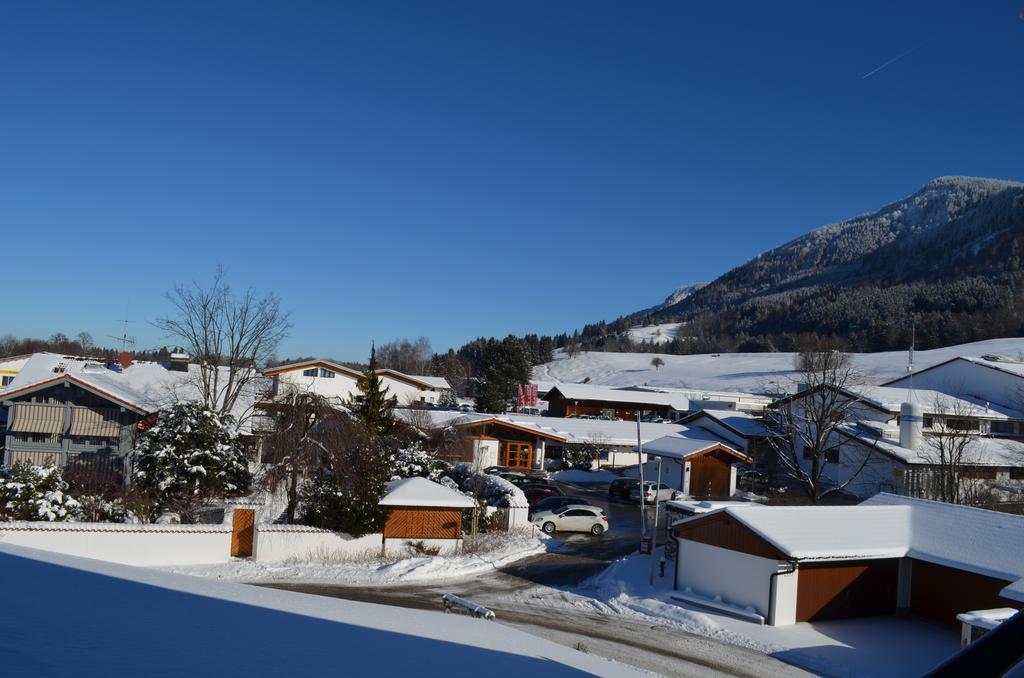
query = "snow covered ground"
{"x": 743, "y": 372}
{"x": 71, "y": 616}
{"x": 495, "y": 550}
{"x": 856, "y": 647}
{"x": 657, "y": 334}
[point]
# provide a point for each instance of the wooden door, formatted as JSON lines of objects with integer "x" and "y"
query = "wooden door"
{"x": 709, "y": 477}
{"x": 844, "y": 590}
{"x": 242, "y": 532}
{"x": 518, "y": 455}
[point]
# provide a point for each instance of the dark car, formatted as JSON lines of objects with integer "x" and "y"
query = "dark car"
{"x": 538, "y": 493}
{"x": 552, "y": 503}
{"x": 620, "y": 487}
{"x": 533, "y": 484}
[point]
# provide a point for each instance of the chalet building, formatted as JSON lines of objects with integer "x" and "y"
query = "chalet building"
{"x": 883, "y": 449}
{"x": 578, "y": 400}
{"x": 339, "y": 383}
{"x": 532, "y": 442}
{"x": 695, "y": 462}
{"x": 888, "y": 555}
{"x": 74, "y": 410}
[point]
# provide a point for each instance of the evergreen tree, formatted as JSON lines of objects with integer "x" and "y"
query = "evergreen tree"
{"x": 373, "y": 406}
{"x": 505, "y": 365}
{"x": 190, "y": 457}
{"x": 30, "y": 492}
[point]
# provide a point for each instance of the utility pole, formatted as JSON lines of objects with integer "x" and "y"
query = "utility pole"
{"x": 640, "y": 458}
{"x": 654, "y": 533}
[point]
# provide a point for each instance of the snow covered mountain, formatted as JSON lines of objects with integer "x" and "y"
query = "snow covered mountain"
{"x": 676, "y": 297}
{"x": 948, "y": 256}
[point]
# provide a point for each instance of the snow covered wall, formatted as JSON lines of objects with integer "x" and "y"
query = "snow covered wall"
{"x": 125, "y": 543}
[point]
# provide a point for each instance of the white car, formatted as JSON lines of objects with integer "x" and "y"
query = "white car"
{"x": 573, "y": 518}
{"x": 664, "y": 492}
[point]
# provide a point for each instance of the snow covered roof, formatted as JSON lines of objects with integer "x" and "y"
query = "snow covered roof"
{"x": 982, "y": 451}
{"x": 688, "y": 443}
{"x": 935, "y": 402}
{"x": 676, "y": 401}
{"x": 556, "y": 429}
{"x": 289, "y": 630}
{"x": 305, "y": 364}
{"x": 743, "y": 423}
{"x": 432, "y": 382}
{"x": 142, "y": 386}
{"x": 890, "y": 526}
{"x": 423, "y": 492}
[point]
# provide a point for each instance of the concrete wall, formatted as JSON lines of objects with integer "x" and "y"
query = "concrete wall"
{"x": 340, "y": 387}
{"x": 784, "y": 600}
{"x": 407, "y": 393}
{"x": 300, "y": 542}
{"x": 738, "y": 579}
{"x": 127, "y": 544}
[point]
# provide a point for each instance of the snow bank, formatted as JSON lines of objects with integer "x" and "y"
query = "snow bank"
{"x": 71, "y": 612}
{"x": 354, "y": 568}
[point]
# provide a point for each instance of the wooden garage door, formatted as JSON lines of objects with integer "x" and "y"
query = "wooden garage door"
{"x": 423, "y": 523}
{"x": 840, "y": 590}
{"x": 709, "y": 475}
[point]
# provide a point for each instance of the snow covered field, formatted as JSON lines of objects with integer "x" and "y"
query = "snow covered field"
{"x": 856, "y": 647}
{"x": 496, "y": 550}
{"x": 657, "y": 334}
{"x": 742, "y": 372}
{"x": 71, "y": 616}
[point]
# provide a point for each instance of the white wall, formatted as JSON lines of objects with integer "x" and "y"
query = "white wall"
{"x": 407, "y": 393}
{"x": 485, "y": 453}
{"x": 785, "y": 596}
{"x": 739, "y": 579}
{"x": 127, "y": 544}
{"x": 341, "y": 387}
{"x": 276, "y": 543}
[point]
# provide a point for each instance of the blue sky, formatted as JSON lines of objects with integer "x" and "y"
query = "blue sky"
{"x": 463, "y": 169}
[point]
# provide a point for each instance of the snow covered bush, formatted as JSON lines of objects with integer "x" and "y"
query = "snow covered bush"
{"x": 579, "y": 456}
{"x": 98, "y": 509}
{"x": 191, "y": 457}
{"x": 326, "y": 505}
{"x": 413, "y": 461}
{"x": 30, "y": 492}
{"x": 491, "y": 490}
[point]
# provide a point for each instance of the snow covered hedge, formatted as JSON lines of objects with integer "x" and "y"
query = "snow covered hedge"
{"x": 30, "y": 492}
{"x": 414, "y": 461}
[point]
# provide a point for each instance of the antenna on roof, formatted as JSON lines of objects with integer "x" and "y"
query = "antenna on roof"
{"x": 910, "y": 361}
{"x": 124, "y": 338}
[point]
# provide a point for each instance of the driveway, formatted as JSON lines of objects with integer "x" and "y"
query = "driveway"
{"x": 516, "y": 593}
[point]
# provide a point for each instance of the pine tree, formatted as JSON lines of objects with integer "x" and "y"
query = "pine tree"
{"x": 30, "y": 492}
{"x": 373, "y": 406}
{"x": 191, "y": 457}
{"x": 505, "y": 365}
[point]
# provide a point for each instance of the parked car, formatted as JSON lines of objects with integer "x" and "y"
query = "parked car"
{"x": 517, "y": 479}
{"x": 573, "y": 518}
{"x": 664, "y": 492}
{"x": 538, "y": 493}
{"x": 541, "y": 485}
{"x": 465, "y": 407}
{"x": 753, "y": 481}
{"x": 552, "y": 503}
{"x": 620, "y": 487}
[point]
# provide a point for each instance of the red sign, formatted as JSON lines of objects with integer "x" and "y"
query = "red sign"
{"x": 645, "y": 546}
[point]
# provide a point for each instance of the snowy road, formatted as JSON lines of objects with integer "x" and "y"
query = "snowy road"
{"x": 522, "y": 593}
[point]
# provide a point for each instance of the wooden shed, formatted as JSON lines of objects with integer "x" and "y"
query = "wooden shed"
{"x": 420, "y": 509}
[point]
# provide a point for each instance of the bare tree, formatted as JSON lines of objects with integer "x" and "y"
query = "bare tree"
{"x": 807, "y": 424}
{"x": 657, "y": 363}
{"x": 405, "y": 356}
{"x": 86, "y": 341}
{"x": 230, "y": 336}
{"x": 303, "y": 439}
{"x": 950, "y": 450}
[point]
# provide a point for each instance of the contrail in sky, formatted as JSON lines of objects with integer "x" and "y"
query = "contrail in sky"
{"x": 890, "y": 62}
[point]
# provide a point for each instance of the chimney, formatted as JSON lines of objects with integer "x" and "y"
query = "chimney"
{"x": 178, "y": 362}
{"x": 911, "y": 425}
{"x": 125, "y": 360}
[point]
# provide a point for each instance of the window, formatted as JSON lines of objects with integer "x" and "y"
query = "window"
{"x": 962, "y": 424}
{"x": 579, "y": 513}
{"x": 327, "y": 374}
{"x": 928, "y": 422}
{"x": 979, "y": 472}
{"x": 1004, "y": 427}
{"x": 1017, "y": 473}
{"x": 311, "y": 372}
{"x": 4, "y": 381}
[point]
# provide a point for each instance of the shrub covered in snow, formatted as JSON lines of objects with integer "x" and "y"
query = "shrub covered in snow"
{"x": 30, "y": 492}
{"x": 191, "y": 457}
{"x": 413, "y": 461}
{"x": 99, "y": 509}
{"x": 326, "y": 505}
{"x": 491, "y": 490}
